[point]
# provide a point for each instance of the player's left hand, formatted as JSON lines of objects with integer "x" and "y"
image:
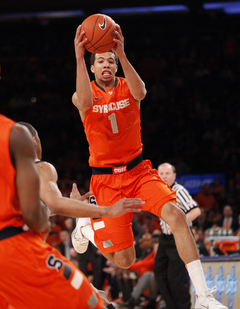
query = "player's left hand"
{"x": 79, "y": 42}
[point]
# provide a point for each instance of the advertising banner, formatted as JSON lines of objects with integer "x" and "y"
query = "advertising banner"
{"x": 225, "y": 276}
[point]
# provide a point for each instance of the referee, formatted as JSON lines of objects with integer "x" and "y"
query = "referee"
{"x": 169, "y": 270}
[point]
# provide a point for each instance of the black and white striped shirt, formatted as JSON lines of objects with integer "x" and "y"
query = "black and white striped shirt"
{"x": 184, "y": 201}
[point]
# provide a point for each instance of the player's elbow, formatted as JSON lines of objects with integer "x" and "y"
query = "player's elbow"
{"x": 53, "y": 205}
{"x": 36, "y": 218}
{"x": 85, "y": 105}
{"x": 140, "y": 94}
{"x": 82, "y": 105}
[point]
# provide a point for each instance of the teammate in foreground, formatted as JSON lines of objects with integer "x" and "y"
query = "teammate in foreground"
{"x": 59, "y": 205}
{"x": 33, "y": 274}
{"x": 109, "y": 108}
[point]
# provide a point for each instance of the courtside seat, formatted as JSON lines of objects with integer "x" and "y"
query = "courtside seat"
{"x": 227, "y": 245}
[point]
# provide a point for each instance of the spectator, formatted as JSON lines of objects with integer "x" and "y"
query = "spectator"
{"x": 90, "y": 262}
{"x": 228, "y": 221}
{"x": 238, "y": 230}
{"x": 54, "y": 235}
{"x": 232, "y": 193}
{"x": 199, "y": 237}
{"x": 137, "y": 232}
{"x": 145, "y": 275}
{"x": 202, "y": 222}
{"x": 65, "y": 244}
{"x": 206, "y": 199}
{"x": 218, "y": 191}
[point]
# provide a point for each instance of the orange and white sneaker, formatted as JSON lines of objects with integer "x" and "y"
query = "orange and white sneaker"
{"x": 207, "y": 301}
{"x": 79, "y": 241}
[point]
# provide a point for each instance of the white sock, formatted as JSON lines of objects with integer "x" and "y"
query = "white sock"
{"x": 196, "y": 274}
{"x": 83, "y": 221}
{"x": 88, "y": 232}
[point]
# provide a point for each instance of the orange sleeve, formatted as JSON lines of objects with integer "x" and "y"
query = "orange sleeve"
{"x": 144, "y": 265}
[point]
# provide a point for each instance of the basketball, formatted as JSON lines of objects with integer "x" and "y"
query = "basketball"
{"x": 100, "y": 31}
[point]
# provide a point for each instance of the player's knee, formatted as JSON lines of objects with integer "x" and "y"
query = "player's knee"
{"x": 176, "y": 218}
{"x": 125, "y": 258}
{"x": 125, "y": 262}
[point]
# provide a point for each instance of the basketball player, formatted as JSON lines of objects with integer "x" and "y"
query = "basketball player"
{"x": 33, "y": 274}
{"x": 59, "y": 205}
{"x": 109, "y": 108}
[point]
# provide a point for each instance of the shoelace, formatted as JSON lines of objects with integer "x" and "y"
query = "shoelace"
{"x": 80, "y": 238}
{"x": 209, "y": 294}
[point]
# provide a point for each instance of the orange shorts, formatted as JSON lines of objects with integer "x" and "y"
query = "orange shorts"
{"x": 4, "y": 304}
{"x": 115, "y": 234}
{"x": 35, "y": 275}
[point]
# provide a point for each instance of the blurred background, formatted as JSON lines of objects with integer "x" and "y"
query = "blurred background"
{"x": 187, "y": 54}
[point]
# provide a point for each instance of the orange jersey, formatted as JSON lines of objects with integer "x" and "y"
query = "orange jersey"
{"x": 33, "y": 274}
{"x": 36, "y": 276}
{"x": 10, "y": 213}
{"x": 112, "y": 126}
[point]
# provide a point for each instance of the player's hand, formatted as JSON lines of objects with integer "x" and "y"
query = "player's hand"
{"x": 75, "y": 194}
{"x": 119, "y": 47}
{"x": 124, "y": 206}
{"x": 79, "y": 43}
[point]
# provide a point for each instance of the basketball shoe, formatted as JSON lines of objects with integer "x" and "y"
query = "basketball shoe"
{"x": 207, "y": 301}
{"x": 79, "y": 241}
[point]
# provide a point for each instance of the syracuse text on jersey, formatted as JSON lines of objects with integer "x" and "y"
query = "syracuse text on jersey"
{"x": 111, "y": 106}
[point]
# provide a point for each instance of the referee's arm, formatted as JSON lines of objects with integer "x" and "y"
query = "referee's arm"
{"x": 187, "y": 204}
{"x": 193, "y": 214}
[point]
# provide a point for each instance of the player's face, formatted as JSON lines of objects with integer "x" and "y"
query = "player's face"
{"x": 166, "y": 173}
{"x": 104, "y": 67}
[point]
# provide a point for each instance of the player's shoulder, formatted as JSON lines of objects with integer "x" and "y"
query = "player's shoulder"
{"x": 20, "y": 141}
{"x": 45, "y": 167}
{"x": 20, "y": 132}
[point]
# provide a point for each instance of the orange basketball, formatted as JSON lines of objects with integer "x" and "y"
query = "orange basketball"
{"x": 100, "y": 31}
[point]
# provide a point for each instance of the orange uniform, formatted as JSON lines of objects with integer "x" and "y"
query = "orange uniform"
{"x": 33, "y": 274}
{"x": 112, "y": 127}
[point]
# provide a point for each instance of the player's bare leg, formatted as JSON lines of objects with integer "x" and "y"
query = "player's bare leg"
{"x": 185, "y": 242}
{"x": 84, "y": 232}
{"x": 123, "y": 258}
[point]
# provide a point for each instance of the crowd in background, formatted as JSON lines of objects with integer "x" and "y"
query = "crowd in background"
{"x": 190, "y": 117}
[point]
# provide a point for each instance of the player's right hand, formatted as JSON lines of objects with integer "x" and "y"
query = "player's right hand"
{"x": 124, "y": 206}
{"x": 79, "y": 42}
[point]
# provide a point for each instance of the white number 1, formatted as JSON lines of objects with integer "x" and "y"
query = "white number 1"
{"x": 113, "y": 120}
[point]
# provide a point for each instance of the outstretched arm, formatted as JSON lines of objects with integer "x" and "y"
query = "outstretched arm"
{"x": 83, "y": 97}
{"x": 134, "y": 81}
{"x": 59, "y": 205}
